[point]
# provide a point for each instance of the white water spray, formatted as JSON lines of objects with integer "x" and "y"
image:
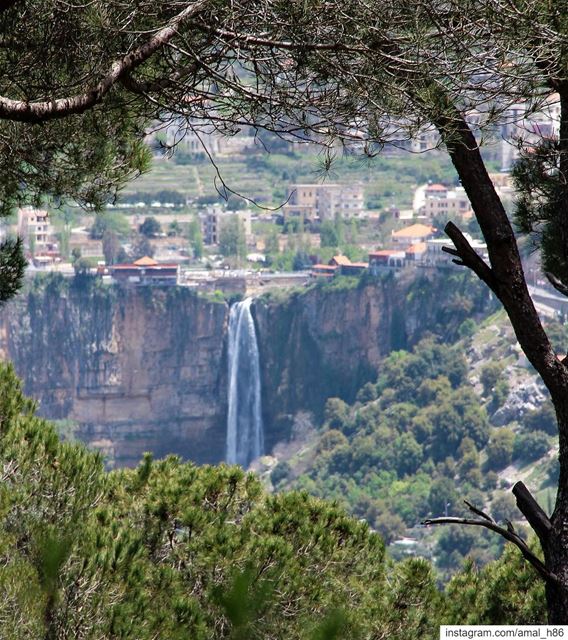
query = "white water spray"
{"x": 245, "y": 437}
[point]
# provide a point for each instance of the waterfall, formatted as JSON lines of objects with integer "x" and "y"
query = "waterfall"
{"x": 245, "y": 437}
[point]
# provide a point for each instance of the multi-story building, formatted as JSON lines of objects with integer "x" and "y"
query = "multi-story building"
{"x": 204, "y": 141}
{"x": 523, "y": 125}
{"x": 212, "y": 223}
{"x": 439, "y": 200}
{"x": 36, "y": 231}
{"x": 325, "y": 201}
{"x": 434, "y": 254}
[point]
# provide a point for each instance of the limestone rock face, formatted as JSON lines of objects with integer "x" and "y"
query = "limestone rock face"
{"x": 145, "y": 369}
{"x": 137, "y": 369}
{"x": 316, "y": 345}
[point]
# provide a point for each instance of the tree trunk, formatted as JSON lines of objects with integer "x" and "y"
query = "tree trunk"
{"x": 556, "y": 547}
{"x": 505, "y": 277}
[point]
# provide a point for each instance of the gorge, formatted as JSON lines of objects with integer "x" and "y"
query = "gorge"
{"x": 146, "y": 369}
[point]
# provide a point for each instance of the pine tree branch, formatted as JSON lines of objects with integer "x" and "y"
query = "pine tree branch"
{"x": 36, "y": 112}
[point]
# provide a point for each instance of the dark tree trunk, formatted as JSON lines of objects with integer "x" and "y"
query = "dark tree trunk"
{"x": 556, "y": 547}
{"x": 505, "y": 277}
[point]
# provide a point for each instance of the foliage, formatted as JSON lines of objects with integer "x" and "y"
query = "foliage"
{"x": 110, "y": 221}
{"x": 504, "y": 590}
{"x": 329, "y": 234}
{"x": 232, "y": 237}
{"x": 111, "y": 247}
{"x": 528, "y": 447}
{"x": 543, "y": 419}
{"x": 12, "y": 268}
{"x": 150, "y": 228}
{"x": 195, "y": 238}
{"x": 500, "y": 449}
{"x": 390, "y": 456}
{"x": 173, "y": 550}
{"x": 142, "y": 247}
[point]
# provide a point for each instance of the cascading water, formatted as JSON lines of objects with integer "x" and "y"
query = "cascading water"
{"x": 245, "y": 437}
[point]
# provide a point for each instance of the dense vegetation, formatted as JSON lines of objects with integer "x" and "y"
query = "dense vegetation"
{"x": 417, "y": 442}
{"x": 172, "y": 550}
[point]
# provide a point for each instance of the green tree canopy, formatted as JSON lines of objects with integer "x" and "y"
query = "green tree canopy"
{"x": 232, "y": 237}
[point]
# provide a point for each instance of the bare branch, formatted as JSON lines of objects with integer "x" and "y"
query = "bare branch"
{"x": 478, "y": 512}
{"x": 532, "y": 511}
{"x": 509, "y": 534}
{"x": 468, "y": 256}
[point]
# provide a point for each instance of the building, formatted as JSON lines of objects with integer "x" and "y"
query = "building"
{"x": 434, "y": 256}
{"x": 385, "y": 258}
{"x": 323, "y": 271}
{"x": 37, "y": 233}
{"x": 523, "y": 126}
{"x": 433, "y": 200}
{"x": 325, "y": 201}
{"x": 212, "y": 223}
{"x": 413, "y": 234}
{"x": 415, "y": 253}
{"x": 145, "y": 271}
{"x": 338, "y": 265}
{"x": 204, "y": 141}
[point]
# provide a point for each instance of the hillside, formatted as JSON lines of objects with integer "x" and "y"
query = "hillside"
{"x": 442, "y": 423}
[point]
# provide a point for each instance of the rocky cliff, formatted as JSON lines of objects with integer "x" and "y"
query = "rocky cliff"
{"x": 144, "y": 369}
{"x": 318, "y": 344}
{"x": 136, "y": 369}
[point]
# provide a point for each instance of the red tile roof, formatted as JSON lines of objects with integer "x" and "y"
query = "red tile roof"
{"x": 341, "y": 260}
{"x": 414, "y": 231}
{"x": 419, "y": 247}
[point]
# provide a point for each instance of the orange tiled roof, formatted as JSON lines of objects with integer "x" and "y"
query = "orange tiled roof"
{"x": 419, "y": 247}
{"x": 414, "y": 231}
{"x": 385, "y": 252}
{"x": 341, "y": 260}
{"x": 146, "y": 261}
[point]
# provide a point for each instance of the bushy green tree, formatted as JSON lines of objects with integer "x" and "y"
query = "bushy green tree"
{"x": 173, "y": 550}
{"x": 528, "y": 447}
{"x": 500, "y": 449}
{"x": 150, "y": 227}
{"x": 232, "y": 237}
{"x": 110, "y": 221}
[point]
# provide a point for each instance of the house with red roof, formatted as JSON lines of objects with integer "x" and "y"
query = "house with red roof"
{"x": 338, "y": 265}
{"x": 386, "y": 258}
{"x": 414, "y": 234}
{"x": 145, "y": 271}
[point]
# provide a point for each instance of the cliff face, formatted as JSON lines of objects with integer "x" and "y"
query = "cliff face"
{"x": 144, "y": 369}
{"x": 137, "y": 369}
{"x": 322, "y": 343}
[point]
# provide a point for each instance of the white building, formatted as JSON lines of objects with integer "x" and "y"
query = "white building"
{"x": 524, "y": 127}
{"x": 325, "y": 201}
{"x": 36, "y": 231}
{"x": 435, "y": 256}
{"x": 212, "y": 223}
{"x": 434, "y": 200}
